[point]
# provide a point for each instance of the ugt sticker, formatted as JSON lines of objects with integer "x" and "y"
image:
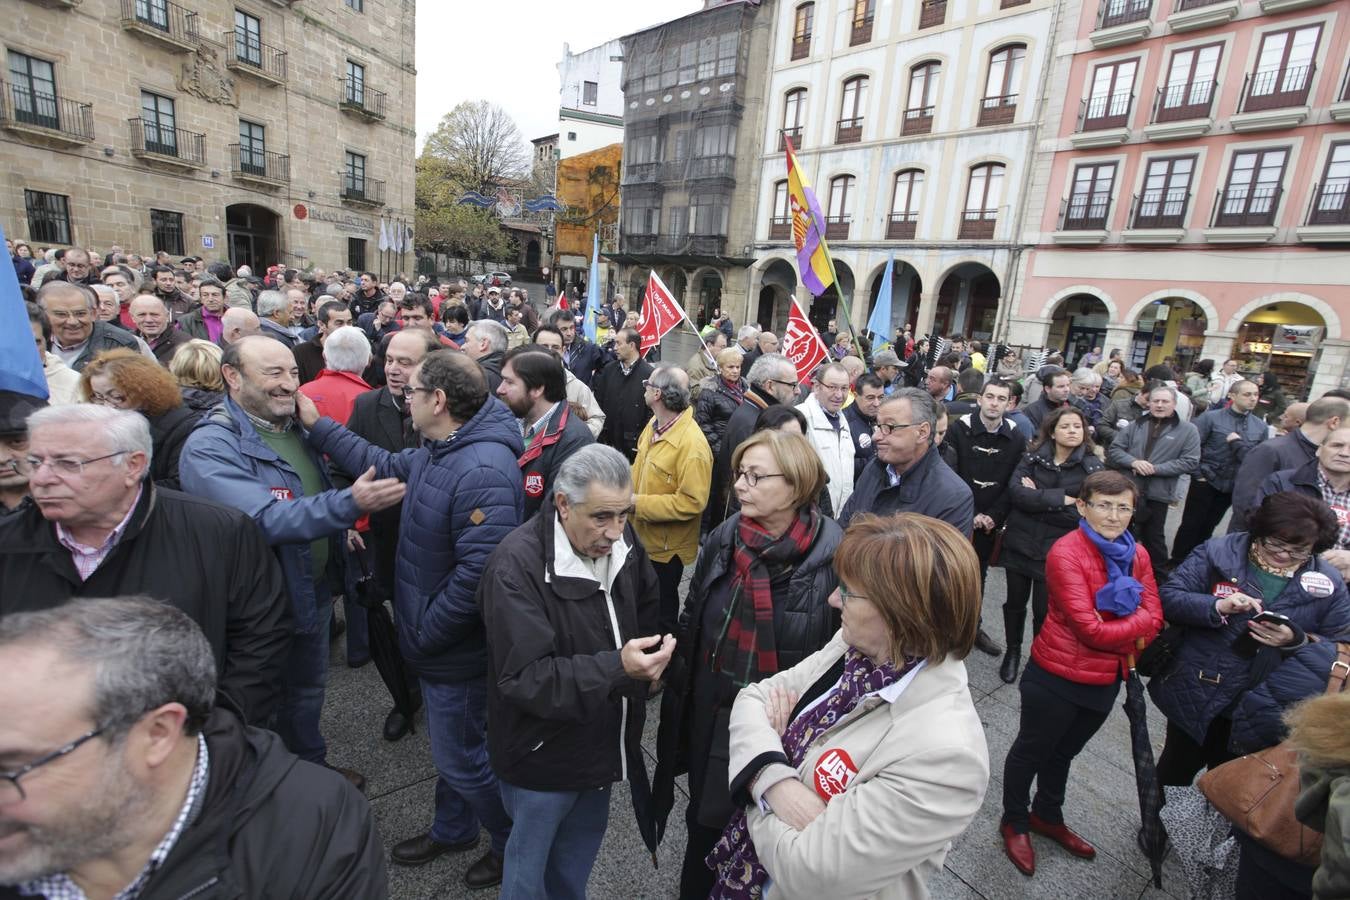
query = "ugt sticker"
{"x": 1316, "y": 583}
{"x": 834, "y": 771}
{"x": 1224, "y": 589}
{"x": 282, "y": 493}
{"x": 534, "y": 484}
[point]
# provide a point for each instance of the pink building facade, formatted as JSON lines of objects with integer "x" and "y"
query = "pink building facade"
{"x": 1193, "y": 179}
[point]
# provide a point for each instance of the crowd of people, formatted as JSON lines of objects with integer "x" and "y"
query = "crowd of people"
{"x": 222, "y": 459}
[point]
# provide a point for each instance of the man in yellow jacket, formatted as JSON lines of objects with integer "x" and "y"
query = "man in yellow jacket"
{"x": 672, "y": 473}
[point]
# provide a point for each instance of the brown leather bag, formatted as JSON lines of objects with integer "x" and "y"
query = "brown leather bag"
{"x": 1256, "y": 792}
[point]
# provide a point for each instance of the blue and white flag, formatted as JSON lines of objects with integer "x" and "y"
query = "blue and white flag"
{"x": 592, "y": 292}
{"x": 879, "y": 324}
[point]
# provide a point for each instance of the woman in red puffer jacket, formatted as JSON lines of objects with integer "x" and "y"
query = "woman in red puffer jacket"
{"x": 1103, "y": 601}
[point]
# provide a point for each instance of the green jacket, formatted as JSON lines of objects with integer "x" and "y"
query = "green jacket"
{"x": 1324, "y": 804}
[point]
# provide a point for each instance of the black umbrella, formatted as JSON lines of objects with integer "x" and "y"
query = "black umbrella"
{"x": 1152, "y": 837}
{"x": 384, "y": 645}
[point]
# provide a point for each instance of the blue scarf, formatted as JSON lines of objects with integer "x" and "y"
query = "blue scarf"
{"x": 1122, "y": 592}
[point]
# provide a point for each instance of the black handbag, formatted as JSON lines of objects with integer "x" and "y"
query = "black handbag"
{"x": 1158, "y": 656}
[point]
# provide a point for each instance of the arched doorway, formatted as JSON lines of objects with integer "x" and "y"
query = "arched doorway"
{"x": 1283, "y": 338}
{"x": 779, "y": 283}
{"x": 1079, "y": 324}
{"x": 826, "y": 306}
{"x": 252, "y": 235}
{"x": 967, "y": 302}
{"x": 906, "y": 286}
{"x": 709, "y": 286}
{"x": 1171, "y": 331}
{"x": 533, "y": 255}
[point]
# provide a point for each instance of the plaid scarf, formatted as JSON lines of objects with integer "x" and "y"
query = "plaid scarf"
{"x": 735, "y": 389}
{"x": 745, "y": 644}
{"x": 740, "y": 876}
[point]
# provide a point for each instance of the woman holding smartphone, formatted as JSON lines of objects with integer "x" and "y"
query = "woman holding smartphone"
{"x": 1245, "y": 602}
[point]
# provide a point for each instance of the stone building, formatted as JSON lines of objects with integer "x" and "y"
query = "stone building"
{"x": 257, "y": 131}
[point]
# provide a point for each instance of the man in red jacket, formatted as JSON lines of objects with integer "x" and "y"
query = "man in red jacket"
{"x": 346, "y": 353}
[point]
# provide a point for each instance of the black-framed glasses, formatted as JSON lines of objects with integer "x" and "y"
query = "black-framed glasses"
{"x": 9, "y": 781}
{"x": 754, "y": 478}
{"x": 409, "y": 390}
{"x": 888, "y": 427}
{"x": 786, "y": 384}
{"x": 65, "y": 465}
{"x": 1289, "y": 551}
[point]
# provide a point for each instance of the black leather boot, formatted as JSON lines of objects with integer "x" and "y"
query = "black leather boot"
{"x": 1014, "y": 623}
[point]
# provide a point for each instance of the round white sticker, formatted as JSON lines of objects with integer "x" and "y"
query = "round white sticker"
{"x": 864, "y": 441}
{"x": 1316, "y": 583}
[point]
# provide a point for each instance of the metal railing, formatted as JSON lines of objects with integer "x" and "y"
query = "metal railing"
{"x": 1159, "y": 208}
{"x": 363, "y": 190}
{"x": 837, "y": 227}
{"x": 20, "y": 106}
{"x": 264, "y": 164}
{"x": 1178, "y": 102}
{"x": 794, "y": 133}
{"x": 711, "y": 167}
{"x": 862, "y": 31}
{"x": 149, "y": 137}
{"x": 642, "y": 173}
{"x": 359, "y": 96}
{"x": 1105, "y": 111}
{"x": 1008, "y": 4}
{"x": 1184, "y": 5}
{"x": 901, "y": 226}
{"x": 849, "y": 131}
{"x": 1084, "y": 212}
{"x": 1240, "y": 206}
{"x": 917, "y": 121}
{"x": 977, "y": 225}
{"x": 1122, "y": 12}
{"x": 1276, "y": 88}
{"x": 801, "y": 47}
{"x": 780, "y": 228}
{"x": 170, "y": 19}
{"x": 249, "y": 53}
{"x": 638, "y": 243}
{"x": 932, "y": 13}
{"x": 998, "y": 110}
{"x": 1330, "y": 204}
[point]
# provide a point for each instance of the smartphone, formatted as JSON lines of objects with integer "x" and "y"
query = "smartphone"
{"x": 1272, "y": 618}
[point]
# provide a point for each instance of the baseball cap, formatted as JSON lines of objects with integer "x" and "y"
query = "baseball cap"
{"x": 886, "y": 358}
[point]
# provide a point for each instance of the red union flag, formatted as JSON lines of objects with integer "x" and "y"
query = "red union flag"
{"x": 661, "y": 313}
{"x": 802, "y": 344}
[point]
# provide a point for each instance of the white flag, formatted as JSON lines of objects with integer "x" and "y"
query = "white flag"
{"x": 408, "y": 234}
{"x": 384, "y": 235}
{"x": 399, "y": 238}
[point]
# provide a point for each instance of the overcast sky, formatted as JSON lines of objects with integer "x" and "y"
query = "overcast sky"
{"x": 463, "y": 48}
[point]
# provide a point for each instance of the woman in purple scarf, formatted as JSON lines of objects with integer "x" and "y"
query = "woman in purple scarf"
{"x": 856, "y": 768}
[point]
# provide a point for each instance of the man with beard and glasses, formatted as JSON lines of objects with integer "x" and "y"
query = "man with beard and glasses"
{"x": 251, "y": 454}
{"x": 123, "y": 778}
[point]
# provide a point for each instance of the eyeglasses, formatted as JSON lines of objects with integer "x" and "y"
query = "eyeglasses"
{"x": 112, "y": 398}
{"x": 834, "y": 388}
{"x": 61, "y": 315}
{"x": 846, "y": 595}
{"x": 409, "y": 390}
{"x": 1280, "y": 548}
{"x": 888, "y": 427}
{"x": 65, "y": 465}
{"x": 786, "y": 384}
{"x": 1106, "y": 509}
{"x": 754, "y": 478}
{"x": 9, "y": 781}
{"x": 75, "y": 265}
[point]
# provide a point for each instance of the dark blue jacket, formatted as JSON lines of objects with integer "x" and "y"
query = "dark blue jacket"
{"x": 464, "y": 496}
{"x": 1258, "y": 721}
{"x": 584, "y": 359}
{"x": 1208, "y": 677}
{"x": 1302, "y": 480}
{"x": 1220, "y": 458}
{"x": 1288, "y": 451}
{"x": 930, "y": 487}
{"x": 224, "y": 460}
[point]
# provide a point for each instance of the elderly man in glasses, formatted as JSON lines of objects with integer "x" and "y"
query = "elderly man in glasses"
{"x": 120, "y": 775}
{"x": 98, "y": 527}
{"x": 77, "y": 334}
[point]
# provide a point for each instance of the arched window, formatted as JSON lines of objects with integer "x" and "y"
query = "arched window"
{"x": 852, "y": 105}
{"x": 840, "y": 213}
{"x": 905, "y": 205}
{"x": 984, "y": 196}
{"x": 802, "y": 23}
{"x": 780, "y": 225}
{"x": 864, "y": 11}
{"x": 1001, "y": 85}
{"x": 922, "y": 101}
{"x": 794, "y": 113}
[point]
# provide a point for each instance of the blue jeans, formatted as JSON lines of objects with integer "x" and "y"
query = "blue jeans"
{"x": 302, "y": 686}
{"x": 554, "y": 842}
{"x": 467, "y": 792}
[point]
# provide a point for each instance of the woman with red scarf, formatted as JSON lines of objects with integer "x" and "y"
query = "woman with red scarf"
{"x": 719, "y": 397}
{"x": 758, "y": 604}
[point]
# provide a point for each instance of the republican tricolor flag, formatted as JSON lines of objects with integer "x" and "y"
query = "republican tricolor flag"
{"x": 808, "y": 228}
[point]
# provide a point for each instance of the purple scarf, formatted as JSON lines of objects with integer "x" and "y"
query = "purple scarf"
{"x": 739, "y": 873}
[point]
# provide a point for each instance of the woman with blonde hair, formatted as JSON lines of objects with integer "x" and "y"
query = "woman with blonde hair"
{"x": 720, "y": 396}
{"x": 124, "y": 379}
{"x": 856, "y": 769}
{"x": 758, "y": 604}
{"x": 1320, "y": 731}
{"x": 196, "y": 365}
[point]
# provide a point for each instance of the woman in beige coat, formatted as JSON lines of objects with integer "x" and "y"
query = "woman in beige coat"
{"x": 859, "y": 766}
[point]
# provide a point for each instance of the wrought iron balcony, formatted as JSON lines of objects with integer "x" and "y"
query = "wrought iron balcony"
{"x": 363, "y": 191}
{"x": 261, "y": 166}
{"x": 1241, "y": 206}
{"x": 250, "y": 56}
{"x": 801, "y": 47}
{"x": 780, "y": 228}
{"x": 1330, "y": 203}
{"x": 977, "y": 225}
{"x": 711, "y": 167}
{"x": 642, "y": 173}
{"x": 1085, "y": 212}
{"x": 360, "y": 98}
{"x": 849, "y": 131}
{"x": 902, "y": 226}
{"x": 637, "y": 243}
{"x": 1184, "y": 5}
{"x": 1159, "y": 208}
{"x": 998, "y": 110}
{"x": 162, "y": 21}
{"x": 917, "y": 121}
{"x": 45, "y": 115}
{"x": 1179, "y": 102}
{"x": 153, "y": 142}
{"x": 932, "y": 13}
{"x": 862, "y": 31}
{"x": 837, "y": 227}
{"x": 795, "y": 134}
{"x": 1105, "y": 111}
{"x": 1276, "y": 88}
{"x": 1122, "y": 12}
